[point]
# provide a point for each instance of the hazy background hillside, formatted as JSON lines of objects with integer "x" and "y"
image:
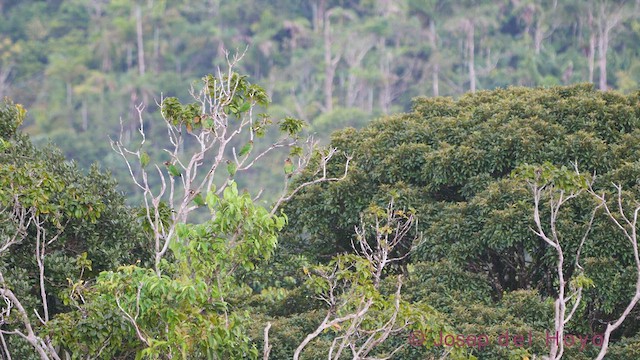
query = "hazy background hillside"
{"x": 81, "y": 65}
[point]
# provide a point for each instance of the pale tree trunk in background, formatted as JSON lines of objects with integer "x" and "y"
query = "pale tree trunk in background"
{"x": 608, "y": 21}
{"x": 592, "y": 57}
{"x": 354, "y": 53}
{"x": 538, "y": 37}
{"x": 540, "y": 34}
{"x": 156, "y": 50}
{"x": 129, "y": 57}
{"x": 434, "y": 76}
{"x": 330, "y": 63}
{"x": 385, "y": 73}
{"x": 471, "y": 53}
{"x": 4, "y": 75}
{"x": 592, "y": 47}
{"x": 69, "y": 88}
{"x": 107, "y": 63}
{"x": 85, "y": 116}
{"x": 603, "y": 46}
{"x": 435, "y": 69}
{"x": 102, "y": 46}
{"x": 140, "y": 93}
{"x": 141, "y": 67}
{"x": 318, "y": 10}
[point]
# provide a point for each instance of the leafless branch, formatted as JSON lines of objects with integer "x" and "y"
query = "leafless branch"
{"x": 133, "y": 318}
{"x": 21, "y": 219}
{"x": 267, "y": 347}
{"x": 324, "y": 178}
{"x": 387, "y": 234}
{"x": 42, "y": 347}
{"x": 192, "y": 173}
{"x": 557, "y": 198}
{"x": 5, "y": 349}
{"x": 629, "y": 229}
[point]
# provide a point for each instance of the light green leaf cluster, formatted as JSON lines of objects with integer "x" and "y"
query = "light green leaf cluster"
{"x": 189, "y": 310}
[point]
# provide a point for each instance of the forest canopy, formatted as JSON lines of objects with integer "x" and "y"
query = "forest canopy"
{"x": 326, "y": 179}
{"x": 443, "y": 203}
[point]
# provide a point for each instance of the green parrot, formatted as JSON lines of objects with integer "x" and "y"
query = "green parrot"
{"x": 288, "y": 167}
{"x": 198, "y": 200}
{"x": 231, "y": 168}
{"x": 208, "y": 123}
{"x": 173, "y": 170}
{"x": 144, "y": 159}
{"x": 246, "y": 149}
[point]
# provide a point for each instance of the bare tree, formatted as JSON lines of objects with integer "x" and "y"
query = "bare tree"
{"x": 627, "y": 222}
{"x": 569, "y": 292}
{"x": 350, "y": 306}
{"x": 22, "y": 218}
{"x": 190, "y": 176}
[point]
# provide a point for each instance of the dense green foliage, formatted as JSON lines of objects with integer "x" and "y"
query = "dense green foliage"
{"x": 184, "y": 311}
{"x": 462, "y": 167}
{"x": 199, "y": 298}
{"x": 80, "y": 222}
{"x": 452, "y": 161}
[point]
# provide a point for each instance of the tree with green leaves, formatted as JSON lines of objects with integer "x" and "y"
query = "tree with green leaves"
{"x": 362, "y": 314}
{"x": 451, "y": 161}
{"x": 224, "y": 124}
{"x": 58, "y": 225}
{"x": 554, "y": 188}
{"x": 193, "y": 308}
{"x": 190, "y": 302}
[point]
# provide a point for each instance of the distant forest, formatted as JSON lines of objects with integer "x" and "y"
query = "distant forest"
{"x": 81, "y": 65}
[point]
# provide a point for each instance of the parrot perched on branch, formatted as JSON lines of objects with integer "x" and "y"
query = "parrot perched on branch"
{"x": 231, "y": 168}
{"x": 288, "y": 167}
{"x": 173, "y": 170}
